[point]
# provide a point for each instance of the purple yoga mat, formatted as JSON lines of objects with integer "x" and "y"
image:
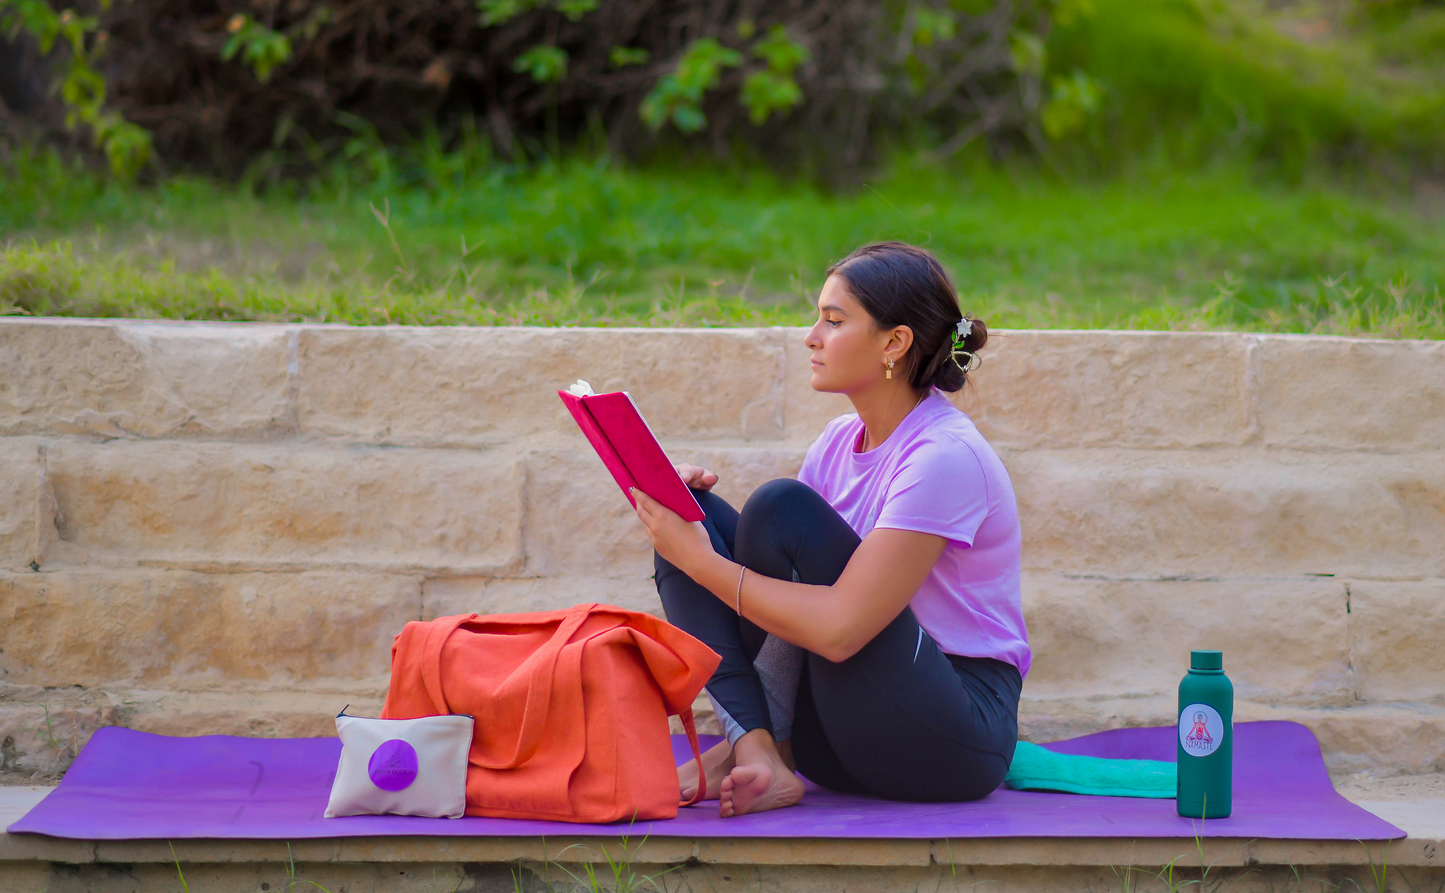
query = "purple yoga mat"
{"x": 129, "y": 785}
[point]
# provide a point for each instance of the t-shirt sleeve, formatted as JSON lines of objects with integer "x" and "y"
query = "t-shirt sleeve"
{"x": 940, "y": 489}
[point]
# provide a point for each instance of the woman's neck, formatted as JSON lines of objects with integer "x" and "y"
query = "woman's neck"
{"x": 882, "y": 409}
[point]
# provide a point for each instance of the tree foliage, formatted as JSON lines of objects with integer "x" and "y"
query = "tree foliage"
{"x": 81, "y": 85}
{"x": 224, "y": 84}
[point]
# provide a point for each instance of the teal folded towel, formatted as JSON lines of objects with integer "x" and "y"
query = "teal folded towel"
{"x": 1037, "y": 768}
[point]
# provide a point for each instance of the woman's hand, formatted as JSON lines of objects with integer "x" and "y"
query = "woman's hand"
{"x": 681, "y": 542}
{"x": 695, "y": 477}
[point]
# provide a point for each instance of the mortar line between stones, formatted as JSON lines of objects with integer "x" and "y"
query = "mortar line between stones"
{"x": 1252, "y": 346}
{"x": 1350, "y": 663}
{"x": 37, "y": 536}
{"x": 293, "y": 380}
{"x": 780, "y": 385}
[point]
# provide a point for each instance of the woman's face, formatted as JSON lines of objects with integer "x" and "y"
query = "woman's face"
{"x": 848, "y": 349}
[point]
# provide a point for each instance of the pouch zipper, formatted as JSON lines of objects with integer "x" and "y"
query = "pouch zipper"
{"x": 388, "y": 719}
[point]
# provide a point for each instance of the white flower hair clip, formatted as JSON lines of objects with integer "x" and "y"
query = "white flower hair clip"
{"x": 969, "y": 360}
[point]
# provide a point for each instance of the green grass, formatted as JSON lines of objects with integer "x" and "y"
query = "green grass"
{"x": 446, "y": 239}
{"x": 1295, "y": 84}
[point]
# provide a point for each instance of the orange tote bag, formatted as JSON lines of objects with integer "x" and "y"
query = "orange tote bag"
{"x": 570, "y": 707}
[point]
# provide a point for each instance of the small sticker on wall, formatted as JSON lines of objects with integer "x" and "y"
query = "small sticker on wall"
{"x": 1201, "y": 730}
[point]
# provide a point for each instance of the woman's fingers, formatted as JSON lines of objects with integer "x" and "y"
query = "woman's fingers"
{"x": 644, "y": 514}
{"x": 695, "y": 477}
{"x": 646, "y": 508}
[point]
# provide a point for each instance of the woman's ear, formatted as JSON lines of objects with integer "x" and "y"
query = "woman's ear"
{"x": 898, "y": 343}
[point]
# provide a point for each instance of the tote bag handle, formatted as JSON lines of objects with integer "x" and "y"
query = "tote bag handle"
{"x": 539, "y": 688}
{"x": 691, "y": 728}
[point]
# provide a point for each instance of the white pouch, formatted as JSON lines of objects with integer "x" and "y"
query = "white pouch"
{"x": 402, "y": 766}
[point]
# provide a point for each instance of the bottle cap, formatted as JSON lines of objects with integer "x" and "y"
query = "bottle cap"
{"x": 1206, "y": 660}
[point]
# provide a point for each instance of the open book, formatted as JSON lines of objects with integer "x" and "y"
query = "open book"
{"x": 618, "y": 433}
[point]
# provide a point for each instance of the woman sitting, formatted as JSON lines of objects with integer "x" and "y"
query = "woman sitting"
{"x": 868, "y": 613}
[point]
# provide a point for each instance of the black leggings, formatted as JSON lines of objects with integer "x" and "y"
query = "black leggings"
{"x": 900, "y": 719}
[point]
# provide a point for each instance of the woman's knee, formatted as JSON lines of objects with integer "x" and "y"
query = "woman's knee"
{"x": 778, "y": 497}
{"x": 712, "y": 505}
{"x": 787, "y": 529}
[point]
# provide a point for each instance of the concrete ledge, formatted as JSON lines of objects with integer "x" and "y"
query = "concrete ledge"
{"x": 1415, "y": 804}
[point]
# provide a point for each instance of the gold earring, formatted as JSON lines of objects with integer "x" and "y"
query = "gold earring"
{"x": 888, "y": 373}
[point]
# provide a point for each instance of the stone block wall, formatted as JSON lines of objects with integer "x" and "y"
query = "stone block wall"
{"x": 211, "y": 528}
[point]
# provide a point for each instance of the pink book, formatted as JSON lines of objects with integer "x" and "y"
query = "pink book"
{"x": 622, "y": 439}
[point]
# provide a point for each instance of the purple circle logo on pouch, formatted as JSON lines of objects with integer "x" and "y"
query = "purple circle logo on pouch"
{"x": 1201, "y": 730}
{"x": 393, "y": 765}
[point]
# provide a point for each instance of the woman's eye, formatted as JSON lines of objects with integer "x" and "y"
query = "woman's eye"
{"x": 835, "y": 323}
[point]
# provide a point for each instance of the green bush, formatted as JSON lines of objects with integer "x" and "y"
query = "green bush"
{"x": 827, "y": 86}
{"x": 228, "y": 86}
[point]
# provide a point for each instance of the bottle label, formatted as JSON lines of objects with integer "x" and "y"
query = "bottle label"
{"x": 1201, "y": 730}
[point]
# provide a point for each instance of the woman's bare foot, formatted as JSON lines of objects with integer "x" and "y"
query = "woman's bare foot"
{"x": 759, "y": 780}
{"x": 717, "y": 762}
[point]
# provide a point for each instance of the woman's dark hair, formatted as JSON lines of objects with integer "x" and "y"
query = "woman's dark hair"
{"x": 903, "y": 285}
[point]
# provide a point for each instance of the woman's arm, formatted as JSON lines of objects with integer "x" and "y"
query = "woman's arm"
{"x": 834, "y": 621}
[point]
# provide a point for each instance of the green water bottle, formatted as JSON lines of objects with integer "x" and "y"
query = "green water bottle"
{"x": 1206, "y": 738}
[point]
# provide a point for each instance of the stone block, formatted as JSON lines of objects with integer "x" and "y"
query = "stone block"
{"x": 741, "y": 470}
{"x": 1397, "y": 633}
{"x": 443, "y": 597}
{"x": 1283, "y": 640}
{"x": 31, "y": 874}
{"x": 1225, "y": 512}
{"x": 144, "y": 379}
{"x": 1383, "y": 739}
{"x": 15, "y": 801}
{"x": 463, "y": 385}
{"x": 308, "y": 712}
{"x": 1380, "y": 739}
{"x": 226, "y": 505}
{"x": 1069, "y": 389}
{"x": 806, "y": 411}
{"x": 1131, "y": 389}
{"x": 1350, "y": 393}
{"x": 577, "y": 520}
{"x": 46, "y": 730}
{"x": 19, "y": 501}
{"x": 170, "y": 629}
{"x": 48, "y": 726}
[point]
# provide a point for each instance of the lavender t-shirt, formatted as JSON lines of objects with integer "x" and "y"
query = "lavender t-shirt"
{"x": 936, "y": 474}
